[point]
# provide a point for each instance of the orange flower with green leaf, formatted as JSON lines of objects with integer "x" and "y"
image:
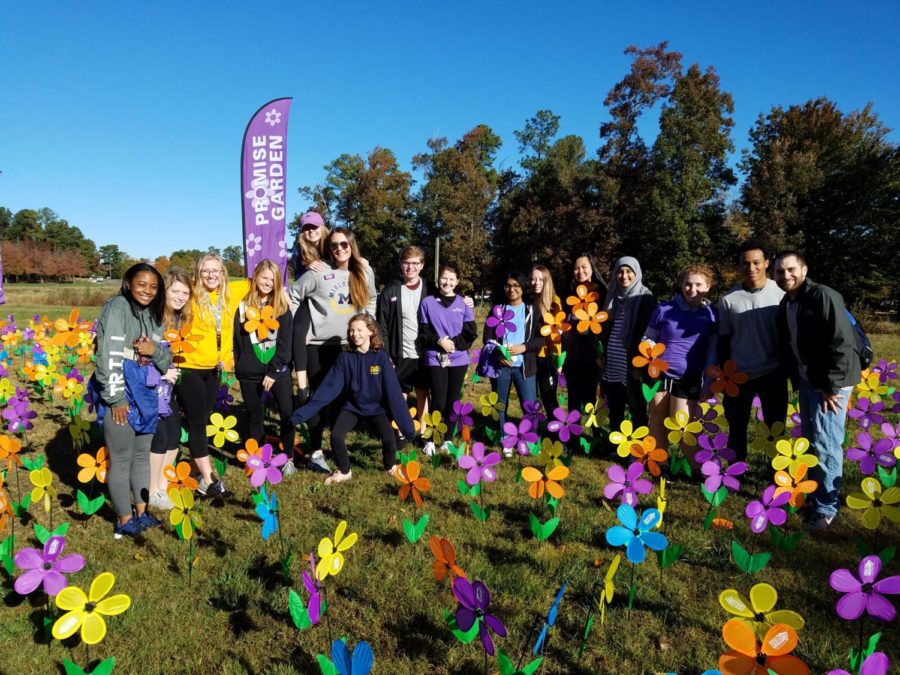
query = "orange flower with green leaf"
{"x": 444, "y": 559}
{"x": 546, "y": 480}
{"x": 650, "y": 357}
{"x": 411, "y": 482}
{"x": 727, "y": 378}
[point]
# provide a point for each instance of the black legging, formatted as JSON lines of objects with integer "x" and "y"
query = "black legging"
{"x": 321, "y": 359}
{"x": 282, "y": 391}
{"x": 581, "y": 384}
{"x": 196, "y": 394}
{"x": 619, "y": 395}
{"x": 302, "y": 322}
{"x": 345, "y": 422}
{"x": 547, "y": 381}
{"x": 446, "y": 387}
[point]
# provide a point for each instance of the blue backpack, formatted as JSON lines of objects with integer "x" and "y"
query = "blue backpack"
{"x": 863, "y": 345}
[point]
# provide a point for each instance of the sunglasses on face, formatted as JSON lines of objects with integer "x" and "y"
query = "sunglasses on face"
{"x": 339, "y": 245}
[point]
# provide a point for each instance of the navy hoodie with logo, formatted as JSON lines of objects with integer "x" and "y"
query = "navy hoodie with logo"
{"x": 370, "y": 388}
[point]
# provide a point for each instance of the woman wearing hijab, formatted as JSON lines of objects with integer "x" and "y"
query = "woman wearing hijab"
{"x": 629, "y": 304}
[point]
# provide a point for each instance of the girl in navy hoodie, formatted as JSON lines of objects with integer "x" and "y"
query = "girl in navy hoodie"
{"x": 365, "y": 377}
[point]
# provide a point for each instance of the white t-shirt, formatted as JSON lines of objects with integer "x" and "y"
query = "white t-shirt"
{"x": 409, "y": 318}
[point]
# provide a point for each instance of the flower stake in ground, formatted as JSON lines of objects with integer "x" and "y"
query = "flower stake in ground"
{"x": 472, "y": 614}
{"x": 185, "y": 520}
{"x": 626, "y": 485}
{"x": 42, "y": 480}
{"x": 413, "y": 485}
{"x": 606, "y": 596}
{"x": 307, "y": 616}
{"x": 265, "y": 467}
{"x": 626, "y": 436}
{"x": 490, "y": 407}
{"x": 94, "y": 469}
{"x": 545, "y": 482}
{"x": 507, "y": 667}
{"x": 769, "y": 510}
{"x": 543, "y": 637}
{"x": 433, "y": 427}
{"x": 749, "y": 655}
{"x": 520, "y": 439}
{"x": 682, "y": 431}
{"x": 461, "y": 417}
{"x": 876, "y": 503}
{"x": 634, "y": 533}
{"x": 221, "y": 429}
{"x": 650, "y": 357}
{"x": 480, "y": 468}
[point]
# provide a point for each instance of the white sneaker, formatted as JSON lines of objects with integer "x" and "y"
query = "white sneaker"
{"x": 507, "y": 452}
{"x": 445, "y": 448}
{"x": 429, "y": 449}
{"x": 160, "y": 500}
{"x": 338, "y": 477}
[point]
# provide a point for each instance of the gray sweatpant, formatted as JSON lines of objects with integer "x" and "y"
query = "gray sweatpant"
{"x": 129, "y": 465}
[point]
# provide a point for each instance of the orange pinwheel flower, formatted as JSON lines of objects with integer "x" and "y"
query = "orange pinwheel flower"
{"x": 726, "y": 379}
{"x": 589, "y": 318}
{"x": 750, "y": 657}
{"x": 181, "y": 342}
{"x": 412, "y": 483}
{"x": 795, "y": 484}
{"x": 649, "y": 356}
{"x": 444, "y": 559}
{"x": 9, "y": 450}
{"x": 6, "y": 510}
{"x": 252, "y": 448}
{"x": 545, "y": 480}
{"x": 582, "y": 298}
{"x": 722, "y": 524}
{"x": 93, "y": 467}
{"x": 649, "y": 455}
{"x": 179, "y": 477}
{"x": 554, "y": 326}
{"x": 67, "y": 331}
{"x": 261, "y": 321}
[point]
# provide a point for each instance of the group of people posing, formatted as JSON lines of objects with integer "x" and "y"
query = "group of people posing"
{"x": 354, "y": 355}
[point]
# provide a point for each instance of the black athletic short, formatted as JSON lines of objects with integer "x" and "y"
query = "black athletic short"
{"x": 682, "y": 387}
{"x": 412, "y": 374}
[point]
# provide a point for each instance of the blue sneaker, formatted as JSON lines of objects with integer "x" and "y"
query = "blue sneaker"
{"x": 130, "y": 529}
{"x": 148, "y": 520}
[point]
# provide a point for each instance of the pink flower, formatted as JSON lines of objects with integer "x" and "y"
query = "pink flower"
{"x": 479, "y": 465}
{"x": 566, "y": 424}
{"x": 265, "y": 466}
{"x": 769, "y": 510}
{"x": 519, "y": 437}
{"x": 627, "y": 485}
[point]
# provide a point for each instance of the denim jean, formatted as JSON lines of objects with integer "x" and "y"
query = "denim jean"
{"x": 526, "y": 388}
{"x": 825, "y": 432}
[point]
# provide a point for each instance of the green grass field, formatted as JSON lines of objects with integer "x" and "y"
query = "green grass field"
{"x": 234, "y": 618}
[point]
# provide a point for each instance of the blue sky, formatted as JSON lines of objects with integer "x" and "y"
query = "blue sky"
{"x": 126, "y": 118}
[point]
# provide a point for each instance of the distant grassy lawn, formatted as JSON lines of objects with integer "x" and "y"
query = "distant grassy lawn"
{"x": 234, "y": 617}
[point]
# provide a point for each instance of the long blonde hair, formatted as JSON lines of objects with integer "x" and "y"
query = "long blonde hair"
{"x": 171, "y": 321}
{"x": 201, "y": 295}
{"x": 547, "y": 299}
{"x": 276, "y": 298}
{"x": 309, "y": 252}
{"x": 359, "y": 287}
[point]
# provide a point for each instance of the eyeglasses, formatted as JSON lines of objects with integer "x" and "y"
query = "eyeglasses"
{"x": 511, "y": 286}
{"x": 411, "y": 263}
{"x": 339, "y": 245}
{"x": 211, "y": 273}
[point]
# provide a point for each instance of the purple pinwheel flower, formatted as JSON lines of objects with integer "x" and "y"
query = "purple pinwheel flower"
{"x": 716, "y": 477}
{"x": 460, "y": 415}
{"x": 708, "y": 419}
{"x": 474, "y": 600}
{"x": 534, "y": 413}
{"x": 3, "y": 371}
{"x": 18, "y": 415}
{"x": 866, "y": 413}
{"x": 566, "y": 424}
{"x": 892, "y": 433}
{"x": 501, "y": 320}
{"x": 876, "y": 663}
{"x": 519, "y": 437}
{"x": 886, "y": 370}
{"x": 313, "y": 609}
{"x": 627, "y": 485}
{"x": 28, "y": 334}
{"x": 635, "y": 532}
{"x": 796, "y": 430}
{"x": 46, "y": 567}
{"x": 870, "y": 453}
{"x": 479, "y": 465}
{"x": 896, "y": 397}
{"x": 89, "y": 399}
{"x": 21, "y": 396}
{"x": 864, "y": 593}
{"x": 768, "y": 510}
{"x": 75, "y": 374}
{"x": 714, "y": 449}
{"x": 265, "y": 466}
{"x": 224, "y": 398}
{"x": 757, "y": 405}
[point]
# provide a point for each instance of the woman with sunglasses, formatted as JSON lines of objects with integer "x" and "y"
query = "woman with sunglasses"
{"x": 334, "y": 295}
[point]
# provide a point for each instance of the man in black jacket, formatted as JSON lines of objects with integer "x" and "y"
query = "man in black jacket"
{"x": 820, "y": 351}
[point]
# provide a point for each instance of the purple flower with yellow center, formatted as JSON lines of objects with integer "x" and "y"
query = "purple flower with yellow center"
{"x": 565, "y": 425}
{"x": 627, "y": 484}
{"x": 501, "y": 320}
{"x": 717, "y": 475}
{"x": 480, "y": 466}
{"x": 46, "y": 567}
{"x": 519, "y": 437}
{"x": 768, "y": 510}
{"x": 474, "y": 601}
{"x": 713, "y": 449}
{"x": 866, "y": 413}
{"x": 870, "y": 454}
{"x": 864, "y": 593}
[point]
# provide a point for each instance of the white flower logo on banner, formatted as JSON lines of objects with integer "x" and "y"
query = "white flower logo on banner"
{"x": 273, "y": 117}
{"x": 259, "y": 193}
{"x": 254, "y": 245}
{"x": 282, "y": 248}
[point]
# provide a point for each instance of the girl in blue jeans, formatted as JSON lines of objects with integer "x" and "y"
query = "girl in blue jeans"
{"x": 516, "y": 325}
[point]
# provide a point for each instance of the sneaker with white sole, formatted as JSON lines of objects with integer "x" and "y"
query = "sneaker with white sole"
{"x": 338, "y": 477}
{"x": 130, "y": 529}
{"x": 289, "y": 469}
{"x": 819, "y": 522}
{"x": 160, "y": 500}
{"x": 429, "y": 449}
{"x": 217, "y": 489}
{"x": 317, "y": 462}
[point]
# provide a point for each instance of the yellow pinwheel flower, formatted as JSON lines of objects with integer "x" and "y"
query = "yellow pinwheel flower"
{"x": 42, "y": 480}
{"x": 67, "y": 387}
{"x": 609, "y": 588}
{"x": 331, "y": 554}
{"x": 870, "y": 387}
{"x": 6, "y": 389}
{"x": 221, "y": 429}
{"x": 766, "y": 438}
{"x": 627, "y": 436}
{"x": 874, "y": 501}
{"x": 596, "y": 414}
{"x": 80, "y": 430}
{"x": 550, "y": 454}
{"x": 87, "y": 611}
{"x": 490, "y": 405}
{"x": 45, "y": 374}
{"x": 183, "y": 513}
{"x": 759, "y": 613}
{"x": 435, "y": 427}
{"x": 790, "y": 455}
{"x": 661, "y": 502}
{"x": 683, "y": 428}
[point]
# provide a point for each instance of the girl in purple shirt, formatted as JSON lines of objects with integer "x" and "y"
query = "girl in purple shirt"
{"x": 446, "y": 331}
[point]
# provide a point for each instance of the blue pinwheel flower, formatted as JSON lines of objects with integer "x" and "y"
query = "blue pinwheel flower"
{"x": 267, "y": 509}
{"x": 359, "y": 664}
{"x": 635, "y": 532}
{"x": 550, "y": 621}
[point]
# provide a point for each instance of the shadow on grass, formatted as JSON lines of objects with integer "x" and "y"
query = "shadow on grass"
{"x": 423, "y": 636}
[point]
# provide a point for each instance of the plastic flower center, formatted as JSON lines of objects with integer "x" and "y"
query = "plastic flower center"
{"x": 866, "y": 588}
{"x": 48, "y": 566}
{"x": 761, "y": 659}
{"x": 759, "y": 618}
{"x": 89, "y": 607}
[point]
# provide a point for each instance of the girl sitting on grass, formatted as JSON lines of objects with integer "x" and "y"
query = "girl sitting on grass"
{"x": 363, "y": 374}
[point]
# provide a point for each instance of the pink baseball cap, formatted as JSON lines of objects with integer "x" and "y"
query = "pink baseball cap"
{"x": 311, "y": 218}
